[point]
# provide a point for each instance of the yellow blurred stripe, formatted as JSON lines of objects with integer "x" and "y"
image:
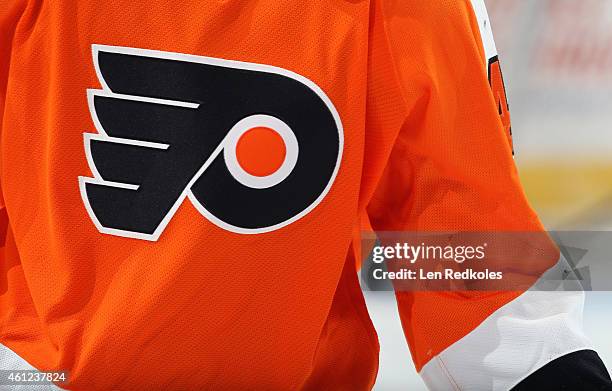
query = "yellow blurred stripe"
{"x": 566, "y": 193}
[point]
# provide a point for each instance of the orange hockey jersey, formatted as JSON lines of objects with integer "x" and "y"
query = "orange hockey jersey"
{"x": 182, "y": 183}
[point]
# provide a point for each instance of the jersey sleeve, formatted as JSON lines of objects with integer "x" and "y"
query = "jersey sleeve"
{"x": 436, "y": 91}
{"x": 10, "y": 10}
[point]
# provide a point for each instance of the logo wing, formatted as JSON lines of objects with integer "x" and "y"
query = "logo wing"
{"x": 148, "y": 147}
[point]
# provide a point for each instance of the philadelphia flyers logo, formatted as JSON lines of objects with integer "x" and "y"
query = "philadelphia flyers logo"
{"x": 253, "y": 147}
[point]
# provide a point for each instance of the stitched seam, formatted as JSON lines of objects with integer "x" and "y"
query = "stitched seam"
{"x": 447, "y": 373}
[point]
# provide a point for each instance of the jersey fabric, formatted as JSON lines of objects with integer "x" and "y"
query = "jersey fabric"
{"x": 142, "y": 251}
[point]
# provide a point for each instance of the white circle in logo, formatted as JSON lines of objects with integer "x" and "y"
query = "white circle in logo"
{"x": 255, "y": 121}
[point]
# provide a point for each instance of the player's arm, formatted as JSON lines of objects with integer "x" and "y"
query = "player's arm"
{"x": 10, "y": 11}
{"x": 435, "y": 86}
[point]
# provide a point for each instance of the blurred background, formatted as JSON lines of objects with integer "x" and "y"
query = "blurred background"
{"x": 556, "y": 56}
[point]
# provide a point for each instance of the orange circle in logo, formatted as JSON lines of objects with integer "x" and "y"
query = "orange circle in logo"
{"x": 261, "y": 151}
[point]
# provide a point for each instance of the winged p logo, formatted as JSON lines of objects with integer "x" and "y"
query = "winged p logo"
{"x": 168, "y": 128}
